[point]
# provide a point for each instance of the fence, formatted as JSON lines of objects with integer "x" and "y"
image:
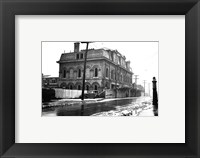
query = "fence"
{"x": 67, "y": 93}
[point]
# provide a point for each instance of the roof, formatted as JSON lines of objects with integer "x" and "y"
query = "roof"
{"x": 96, "y": 53}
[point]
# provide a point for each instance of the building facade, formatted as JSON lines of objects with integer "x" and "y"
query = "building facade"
{"x": 50, "y": 82}
{"x": 105, "y": 69}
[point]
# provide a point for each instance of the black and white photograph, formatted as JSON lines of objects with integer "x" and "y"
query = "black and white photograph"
{"x": 100, "y": 78}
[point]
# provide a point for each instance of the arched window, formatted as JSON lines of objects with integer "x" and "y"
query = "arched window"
{"x": 95, "y": 72}
{"x": 87, "y": 87}
{"x": 63, "y": 85}
{"x": 79, "y": 87}
{"x": 112, "y": 74}
{"x": 95, "y": 87}
{"x": 64, "y": 74}
{"x": 79, "y": 72}
{"x": 70, "y": 87}
{"x": 106, "y": 72}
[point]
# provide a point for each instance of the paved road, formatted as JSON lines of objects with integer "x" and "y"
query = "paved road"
{"x": 89, "y": 109}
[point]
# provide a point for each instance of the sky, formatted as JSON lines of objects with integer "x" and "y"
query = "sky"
{"x": 142, "y": 55}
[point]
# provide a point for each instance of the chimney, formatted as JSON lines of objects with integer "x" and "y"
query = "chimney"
{"x": 76, "y": 47}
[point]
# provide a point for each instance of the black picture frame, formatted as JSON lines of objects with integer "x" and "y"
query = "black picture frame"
{"x": 10, "y": 8}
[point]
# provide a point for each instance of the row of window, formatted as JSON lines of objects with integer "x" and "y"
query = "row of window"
{"x": 74, "y": 74}
{"x": 87, "y": 87}
{"x": 117, "y": 76}
{"x": 79, "y": 87}
{"x": 79, "y": 73}
{"x": 119, "y": 60}
{"x": 79, "y": 56}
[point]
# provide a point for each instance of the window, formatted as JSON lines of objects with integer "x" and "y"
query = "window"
{"x": 95, "y": 87}
{"x": 63, "y": 85}
{"x": 77, "y": 56}
{"x": 81, "y": 55}
{"x": 79, "y": 87}
{"x": 87, "y": 73}
{"x": 107, "y": 85}
{"x": 112, "y": 86}
{"x": 106, "y": 72}
{"x": 64, "y": 74}
{"x": 121, "y": 79}
{"x": 112, "y": 56}
{"x": 112, "y": 74}
{"x": 87, "y": 87}
{"x": 95, "y": 72}
{"x": 79, "y": 72}
{"x": 70, "y": 87}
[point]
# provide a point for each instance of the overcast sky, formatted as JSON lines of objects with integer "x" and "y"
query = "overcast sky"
{"x": 143, "y": 56}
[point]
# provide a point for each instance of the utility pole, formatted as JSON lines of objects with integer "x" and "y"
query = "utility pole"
{"x": 144, "y": 86}
{"x": 149, "y": 89}
{"x": 136, "y": 78}
{"x": 83, "y": 87}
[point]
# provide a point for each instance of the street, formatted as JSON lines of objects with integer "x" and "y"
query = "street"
{"x": 108, "y": 107}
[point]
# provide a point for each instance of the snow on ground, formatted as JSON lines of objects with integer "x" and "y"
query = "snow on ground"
{"x": 143, "y": 108}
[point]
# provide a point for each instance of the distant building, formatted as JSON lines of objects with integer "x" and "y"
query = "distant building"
{"x": 105, "y": 69}
{"x": 50, "y": 82}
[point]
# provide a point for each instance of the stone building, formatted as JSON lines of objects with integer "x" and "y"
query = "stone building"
{"x": 105, "y": 69}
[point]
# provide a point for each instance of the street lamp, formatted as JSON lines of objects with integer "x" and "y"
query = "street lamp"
{"x": 155, "y": 97}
